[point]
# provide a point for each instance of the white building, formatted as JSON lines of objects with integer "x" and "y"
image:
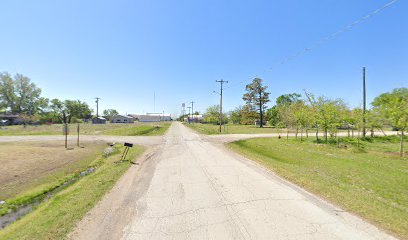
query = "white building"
{"x": 151, "y": 117}
{"x": 194, "y": 118}
{"x": 122, "y": 119}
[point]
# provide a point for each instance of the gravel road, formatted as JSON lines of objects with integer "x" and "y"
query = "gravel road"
{"x": 191, "y": 187}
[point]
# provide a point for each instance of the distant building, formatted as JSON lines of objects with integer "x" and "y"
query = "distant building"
{"x": 151, "y": 117}
{"x": 98, "y": 120}
{"x": 122, "y": 119}
{"x": 197, "y": 118}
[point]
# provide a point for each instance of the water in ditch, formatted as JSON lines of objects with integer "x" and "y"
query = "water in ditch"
{"x": 21, "y": 211}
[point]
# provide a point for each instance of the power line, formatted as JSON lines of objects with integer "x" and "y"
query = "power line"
{"x": 324, "y": 40}
{"x": 335, "y": 34}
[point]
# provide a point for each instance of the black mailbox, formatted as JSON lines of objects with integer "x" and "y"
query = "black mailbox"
{"x": 128, "y": 144}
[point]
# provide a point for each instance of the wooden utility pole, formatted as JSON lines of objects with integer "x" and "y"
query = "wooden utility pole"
{"x": 221, "y": 86}
{"x": 97, "y": 106}
{"x": 364, "y": 102}
{"x": 192, "y": 110}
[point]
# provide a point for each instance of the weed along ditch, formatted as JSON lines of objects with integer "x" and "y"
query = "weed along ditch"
{"x": 15, "y": 212}
{"x": 13, "y": 209}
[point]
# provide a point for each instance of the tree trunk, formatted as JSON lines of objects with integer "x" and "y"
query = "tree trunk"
{"x": 260, "y": 111}
{"x": 372, "y": 132}
{"x": 338, "y": 141}
{"x": 358, "y": 138}
{"x": 307, "y": 132}
{"x": 382, "y": 130}
{"x": 402, "y": 144}
{"x": 317, "y": 133}
{"x": 64, "y": 118}
{"x": 301, "y": 135}
{"x": 297, "y": 132}
{"x": 352, "y": 132}
{"x": 325, "y": 134}
{"x": 348, "y": 131}
{"x": 287, "y": 133}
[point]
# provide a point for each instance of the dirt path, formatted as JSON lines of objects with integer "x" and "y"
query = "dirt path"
{"x": 191, "y": 188}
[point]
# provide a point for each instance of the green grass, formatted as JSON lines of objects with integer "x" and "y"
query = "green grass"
{"x": 211, "y": 129}
{"x": 371, "y": 182}
{"x": 141, "y": 130}
{"x": 56, "y": 217}
{"x": 136, "y": 129}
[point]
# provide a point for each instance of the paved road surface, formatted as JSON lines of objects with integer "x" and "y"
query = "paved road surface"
{"x": 191, "y": 188}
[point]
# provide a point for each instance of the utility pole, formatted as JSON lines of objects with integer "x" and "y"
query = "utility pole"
{"x": 192, "y": 110}
{"x": 221, "y": 86}
{"x": 188, "y": 118}
{"x": 364, "y": 102}
{"x": 97, "y": 106}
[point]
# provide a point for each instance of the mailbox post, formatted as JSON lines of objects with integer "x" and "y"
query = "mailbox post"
{"x": 127, "y": 146}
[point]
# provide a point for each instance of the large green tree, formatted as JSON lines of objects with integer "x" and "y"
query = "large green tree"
{"x": 19, "y": 95}
{"x": 272, "y": 114}
{"x": 236, "y": 115}
{"x": 288, "y": 98}
{"x": 109, "y": 113}
{"x": 394, "y": 107}
{"x": 328, "y": 114}
{"x": 249, "y": 115}
{"x": 257, "y": 96}
{"x": 67, "y": 110}
{"x": 212, "y": 115}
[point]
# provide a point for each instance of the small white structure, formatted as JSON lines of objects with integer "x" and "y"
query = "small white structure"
{"x": 122, "y": 119}
{"x": 152, "y": 117}
{"x": 194, "y": 118}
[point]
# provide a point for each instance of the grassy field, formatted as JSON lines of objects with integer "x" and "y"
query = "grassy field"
{"x": 371, "y": 182}
{"x": 212, "y": 129}
{"x": 57, "y": 216}
{"x": 136, "y": 129}
{"x": 30, "y": 166}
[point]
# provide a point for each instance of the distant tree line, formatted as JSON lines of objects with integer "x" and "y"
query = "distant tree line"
{"x": 303, "y": 113}
{"x": 18, "y": 95}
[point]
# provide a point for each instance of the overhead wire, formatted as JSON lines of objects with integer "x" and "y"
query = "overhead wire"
{"x": 321, "y": 41}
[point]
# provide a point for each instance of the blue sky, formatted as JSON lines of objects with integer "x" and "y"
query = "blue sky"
{"x": 124, "y": 51}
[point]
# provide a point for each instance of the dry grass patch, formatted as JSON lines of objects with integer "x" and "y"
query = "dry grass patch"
{"x": 25, "y": 166}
